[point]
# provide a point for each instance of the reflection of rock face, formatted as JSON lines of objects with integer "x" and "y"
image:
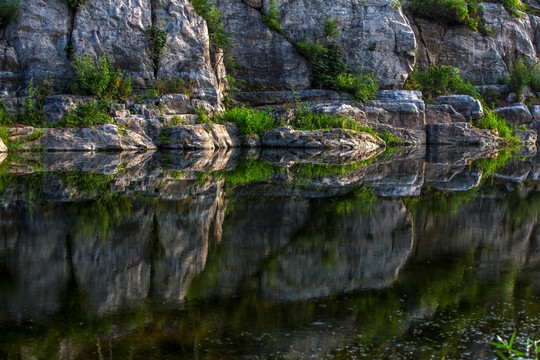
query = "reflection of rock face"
{"x": 152, "y": 250}
{"x": 365, "y": 251}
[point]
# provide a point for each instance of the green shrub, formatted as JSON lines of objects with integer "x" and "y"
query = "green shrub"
{"x": 8, "y": 11}
{"x": 451, "y": 12}
{"x": 361, "y": 86}
{"x": 249, "y": 121}
{"x": 87, "y": 114}
{"x": 513, "y": 6}
{"x": 440, "y": 80}
{"x": 5, "y": 117}
{"x": 34, "y": 100}
{"x": 306, "y": 119}
{"x": 326, "y": 62}
{"x": 492, "y": 121}
{"x": 272, "y": 18}
{"x": 100, "y": 79}
{"x": 158, "y": 40}
{"x": 212, "y": 15}
{"x": 75, "y": 4}
{"x": 522, "y": 73}
{"x": 330, "y": 27}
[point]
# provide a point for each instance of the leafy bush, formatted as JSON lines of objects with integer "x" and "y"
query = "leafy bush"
{"x": 522, "y": 74}
{"x": 330, "y": 27}
{"x": 75, "y": 4}
{"x": 249, "y": 121}
{"x": 212, "y": 15}
{"x": 100, "y": 79}
{"x": 272, "y": 18}
{"x": 492, "y": 121}
{"x": 87, "y": 114}
{"x": 513, "y": 6}
{"x": 361, "y": 86}
{"x": 306, "y": 119}
{"x": 8, "y": 11}
{"x": 326, "y": 62}
{"x": 158, "y": 40}
{"x": 440, "y": 80}
{"x": 451, "y": 12}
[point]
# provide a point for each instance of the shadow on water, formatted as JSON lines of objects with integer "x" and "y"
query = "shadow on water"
{"x": 273, "y": 255}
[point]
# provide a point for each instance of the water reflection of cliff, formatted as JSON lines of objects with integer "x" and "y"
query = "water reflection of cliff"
{"x": 169, "y": 230}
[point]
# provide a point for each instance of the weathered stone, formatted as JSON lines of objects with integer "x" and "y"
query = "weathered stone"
{"x": 55, "y": 107}
{"x": 39, "y": 37}
{"x": 461, "y": 134}
{"x": 515, "y": 115}
{"x": 437, "y": 114}
{"x": 202, "y": 136}
{"x": 535, "y": 112}
{"x": 9, "y": 70}
{"x": 252, "y": 141}
{"x": 187, "y": 54}
{"x": 403, "y": 108}
{"x": 99, "y": 138}
{"x": 528, "y": 140}
{"x": 264, "y": 98}
{"x": 116, "y": 29}
{"x": 408, "y": 137}
{"x": 3, "y": 148}
{"x": 286, "y": 137}
{"x": 340, "y": 109}
{"x": 480, "y": 59}
{"x": 176, "y": 104}
{"x": 466, "y": 105}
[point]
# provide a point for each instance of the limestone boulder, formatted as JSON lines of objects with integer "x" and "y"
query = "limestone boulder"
{"x": 436, "y": 114}
{"x": 466, "y": 105}
{"x": 461, "y": 134}
{"x": 201, "y": 136}
{"x": 402, "y": 108}
{"x": 287, "y": 137}
{"x": 106, "y": 137}
{"x": 515, "y": 115}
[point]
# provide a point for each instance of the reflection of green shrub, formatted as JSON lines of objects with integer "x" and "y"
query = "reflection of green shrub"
{"x": 440, "y": 80}
{"x": 8, "y": 11}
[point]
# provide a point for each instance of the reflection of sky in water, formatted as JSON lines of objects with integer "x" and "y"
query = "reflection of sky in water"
{"x": 185, "y": 255}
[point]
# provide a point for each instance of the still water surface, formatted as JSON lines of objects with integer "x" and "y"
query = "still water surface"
{"x": 267, "y": 256}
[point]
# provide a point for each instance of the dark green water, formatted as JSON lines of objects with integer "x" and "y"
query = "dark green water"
{"x": 219, "y": 256}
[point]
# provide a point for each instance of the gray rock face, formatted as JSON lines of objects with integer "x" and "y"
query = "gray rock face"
{"x": 461, "y": 134}
{"x": 481, "y": 59}
{"x": 57, "y": 106}
{"x": 3, "y": 148}
{"x": 286, "y": 137}
{"x": 188, "y": 51}
{"x": 118, "y": 29}
{"x": 437, "y": 114}
{"x": 375, "y": 36}
{"x": 516, "y": 114}
{"x": 402, "y": 108}
{"x": 38, "y": 37}
{"x": 266, "y": 59}
{"x": 466, "y": 105}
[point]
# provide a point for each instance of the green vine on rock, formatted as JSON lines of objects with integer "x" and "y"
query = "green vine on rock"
{"x": 158, "y": 41}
